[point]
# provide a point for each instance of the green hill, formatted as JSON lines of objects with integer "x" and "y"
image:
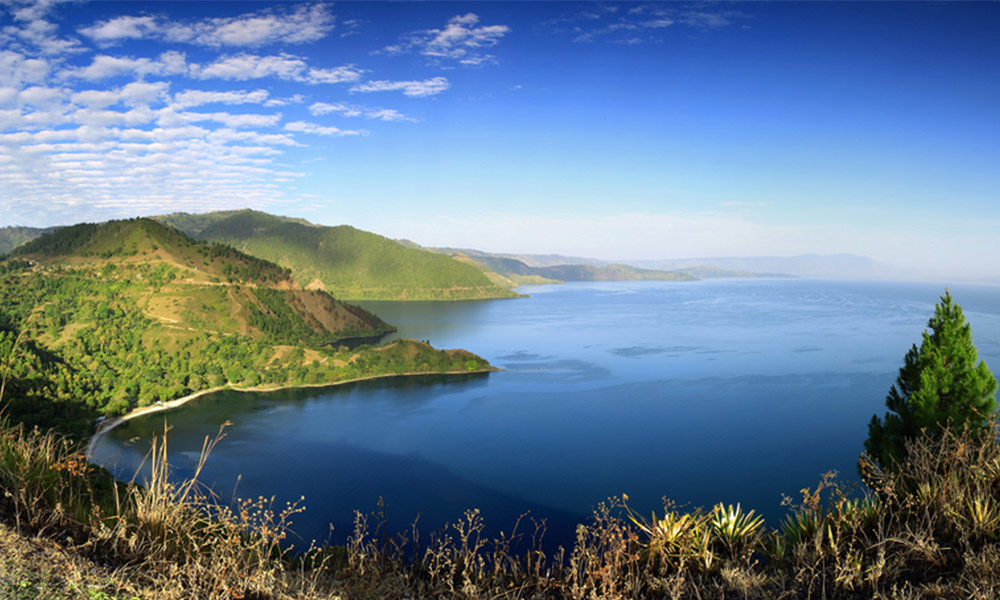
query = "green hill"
{"x": 347, "y": 262}
{"x": 128, "y": 313}
{"x": 194, "y": 224}
{"x": 12, "y": 237}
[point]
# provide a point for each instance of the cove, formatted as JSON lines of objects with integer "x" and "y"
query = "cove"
{"x": 702, "y": 392}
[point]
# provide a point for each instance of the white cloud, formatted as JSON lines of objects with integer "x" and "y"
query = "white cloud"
{"x": 354, "y": 110}
{"x": 303, "y": 24}
{"x": 32, "y": 32}
{"x": 18, "y": 120}
{"x": 336, "y": 75}
{"x": 249, "y": 66}
{"x": 38, "y": 36}
{"x": 139, "y": 93}
{"x": 40, "y": 96}
{"x": 269, "y": 139}
{"x": 105, "y": 66}
{"x": 419, "y": 89}
{"x": 460, "y": 40}
{"x": 122, "y": 28}
{"x": 304, "y": 127}
{"x": 114, "y": 171}
{"x": 114, "y": 133}
{"x": 232, "y": 120}
{"x": 135, "y": 94}
{"x": 191, "y": 98}
{"x": 283, "y": 66}
{"x": 95, "y": 98}
{"x": 104, "y": 118}
{"x": 17, "y": 69}
{"x": 8, "y": 96}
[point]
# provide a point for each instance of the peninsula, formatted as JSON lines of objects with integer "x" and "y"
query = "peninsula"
{"x": 128, "y": 314}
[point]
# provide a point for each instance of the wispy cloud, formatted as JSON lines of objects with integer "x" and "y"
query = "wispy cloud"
{"x": 417, "y": 89}
{"x": 190, "y": 98}
{"x": 461, "y": 41}
{"x": 637, "y": 24}
{"x": 355, "y": 110}
{"x": 306, "y": 23}
{"x": 114, "y": 116}
{"x": 32, "y": 32}
{"x": 105, "y": 66}
{"x": 315, "y": 129}
{"x": 283, "y": 66}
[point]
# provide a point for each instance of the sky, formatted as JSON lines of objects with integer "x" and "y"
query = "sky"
{"x": 614, "y": 130}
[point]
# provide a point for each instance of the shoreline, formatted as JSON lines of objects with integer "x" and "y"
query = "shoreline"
{"x": 109, "y": 424}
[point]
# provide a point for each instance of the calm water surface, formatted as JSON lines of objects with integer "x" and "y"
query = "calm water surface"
{"x": 725, "y": 390}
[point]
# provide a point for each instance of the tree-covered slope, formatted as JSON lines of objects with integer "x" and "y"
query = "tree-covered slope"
{"x": 195, "y": 223}
{"x": 128, "y": 313}
{"x": 348, "y": 262}
{"x": 187, "y": 283}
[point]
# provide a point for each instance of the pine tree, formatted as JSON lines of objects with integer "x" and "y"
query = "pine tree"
{"x": 939, "y": 386}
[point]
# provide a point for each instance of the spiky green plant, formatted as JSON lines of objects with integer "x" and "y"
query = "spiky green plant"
{"x": 739, "y": 531}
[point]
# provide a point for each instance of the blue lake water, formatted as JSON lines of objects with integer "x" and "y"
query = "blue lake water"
{"x": 701, "y": 392}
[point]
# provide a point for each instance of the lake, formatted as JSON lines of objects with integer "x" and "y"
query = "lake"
{"x": 729, "y": 390}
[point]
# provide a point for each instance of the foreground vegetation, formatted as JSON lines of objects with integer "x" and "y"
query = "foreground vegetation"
{"x": 929, "y": 530}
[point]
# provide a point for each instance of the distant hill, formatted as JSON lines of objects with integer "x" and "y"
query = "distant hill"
{"x": 348, "y": 262}
{"x": 707, "y": 272}
{"x": 528, "y": 260}
{"x": 547, "y": 268}
{"x": 128, "y": 313}
{"x": 805, "y": 265}
{"x": 12, "y": 237}
{"x": 613, "y": 272}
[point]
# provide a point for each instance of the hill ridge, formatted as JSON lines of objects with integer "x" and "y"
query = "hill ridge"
{"x": 349, "y": 262}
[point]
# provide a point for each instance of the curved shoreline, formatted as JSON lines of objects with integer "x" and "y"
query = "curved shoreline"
{"x": 109, "y": 424}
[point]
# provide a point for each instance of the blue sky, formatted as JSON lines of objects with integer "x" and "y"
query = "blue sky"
{"x": 614, "y": 130}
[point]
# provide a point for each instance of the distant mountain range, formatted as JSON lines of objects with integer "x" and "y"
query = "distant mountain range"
{"x": 804, "y": 265}
{"x": 521, "y": 272}
{"x": 358, "y": 265}
{"x": 549, "y": 267}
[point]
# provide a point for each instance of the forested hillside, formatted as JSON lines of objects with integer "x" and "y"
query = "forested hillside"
{"x": 129, "y": 313}
{"x": 347, "y": 262}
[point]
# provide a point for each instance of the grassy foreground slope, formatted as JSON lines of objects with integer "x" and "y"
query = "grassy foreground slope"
{"x": 129, "y": 313}
{"x": 348, "y": 262}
